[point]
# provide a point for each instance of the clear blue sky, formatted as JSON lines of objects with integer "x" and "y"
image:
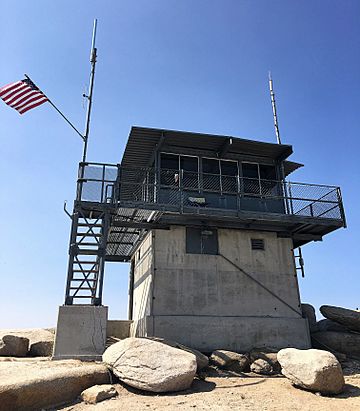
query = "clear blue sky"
{"x": 190, "y": 65}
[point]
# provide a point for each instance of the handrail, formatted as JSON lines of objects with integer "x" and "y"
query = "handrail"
{"x": 112, "y": 183}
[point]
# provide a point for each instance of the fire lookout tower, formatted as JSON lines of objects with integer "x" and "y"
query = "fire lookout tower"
{"x": 209, "y": 224}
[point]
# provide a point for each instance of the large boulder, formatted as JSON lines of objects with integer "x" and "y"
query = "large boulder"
{"x": 13, "y": 346}
{"x": 41, "y": 341}
{"x": 344, "y": 342}
{"x": 314, "y": 370}
{"x": 309, "y": 313}
{"x": 329, "y": 325}
{"x": 151, "y": 365}
{"x": 28, "y": 384}
{"x": 201, "y": 359}
{"x": 267, "y": 354}
{"x": 98, "y": 393}
{"x": 261, "y": 366}
{"x": 230, "y": 360}
{"x": 344, "y": 316}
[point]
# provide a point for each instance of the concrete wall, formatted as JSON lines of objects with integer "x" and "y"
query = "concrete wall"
{"x": 80, "y": 332}
{"x": 202, "y": 300}
{"x": 118, "y": 328}
{"x": 194, "y": 284}
{"x": 143, "y": 276}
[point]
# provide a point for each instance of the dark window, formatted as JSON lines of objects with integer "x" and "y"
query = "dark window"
{"x": 257, "y": 244}
{"x": 189, "y": 163}
{"x": 211, "y": 174}
{"x": 201, "y": 241}
{"x": 169, "y": 162}
{"x": 210, "y": 166}
{"x": 190, "y": 176}
{"x": 269, "y": 185}
{"x": 267, "y": 172}
{"x": 251, "y": 182}
{"x": 169, "y": 174}
{"x": 229, "y": 171}
{"x": 229, "y": 168}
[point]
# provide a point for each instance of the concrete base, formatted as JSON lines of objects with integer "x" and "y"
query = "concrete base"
{"x": 240, "y": 334}
{"x": 80, "y": 332}
{"x": 118, "y": 328}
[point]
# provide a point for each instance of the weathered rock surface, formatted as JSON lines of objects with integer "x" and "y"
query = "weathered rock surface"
{"x": 13, "y": 346}
{"x": 268, "y": 355}
{"x": 32, "y": 385}
{"x": 151, "y": 365}
{"x": 329, "y": 325}
{"x": 98, "y": 393}
{"x": 41, "y": 341}
{"x": 314, "y": 370}
{"x": 349, "y": 318}
{"x": 201, "y": 359}
{"x": 343, "y": 342}
{"x": 261, "y": 366}
{"x": 309, "y": 312}
{"x": 230, "y": 360}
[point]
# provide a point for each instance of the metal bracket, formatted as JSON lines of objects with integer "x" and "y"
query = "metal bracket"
{"x": 301, "y": 262}
{"x": 66, "y": 211}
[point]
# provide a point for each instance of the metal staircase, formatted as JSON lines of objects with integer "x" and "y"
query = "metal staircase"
{"x": 87, "y": 258}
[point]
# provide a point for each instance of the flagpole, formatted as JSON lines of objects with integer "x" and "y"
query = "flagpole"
{"x": 90, "y": 92}
{"x": 61, "y": 114}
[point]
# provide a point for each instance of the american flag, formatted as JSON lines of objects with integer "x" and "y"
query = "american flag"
{"x": 22, "y": 95}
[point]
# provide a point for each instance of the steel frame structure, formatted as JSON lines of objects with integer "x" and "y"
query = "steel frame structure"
{"x": 115, "y": 206}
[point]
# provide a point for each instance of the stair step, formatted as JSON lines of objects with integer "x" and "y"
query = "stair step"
{"x": 89, "y": 225}
{"x": 88, "y": 234}
{"x": 85, "y": 270}
{"x": 85, "y": 251}
{"x": 82, "y": 296}
{"x": 83, "y": 279}
{"x": 85, "y": 262}
{"x": 83, "y": 288}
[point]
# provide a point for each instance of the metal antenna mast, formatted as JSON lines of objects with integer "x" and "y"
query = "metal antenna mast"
{"x": 277, "y": 132}
{"x": 273, "y": 104}
{"x": 90, "y": 92}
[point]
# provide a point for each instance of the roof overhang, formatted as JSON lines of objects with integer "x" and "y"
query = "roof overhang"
{"x": 144, "y": 142}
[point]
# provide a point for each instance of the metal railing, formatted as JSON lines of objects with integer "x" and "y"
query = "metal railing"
{"x": 97, "y": 182}
{"x": 183, "y": 190}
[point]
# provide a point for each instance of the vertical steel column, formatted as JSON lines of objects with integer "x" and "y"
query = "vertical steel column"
{"x": 102, "y": 253}
{"x": 131, "y": 290}
{"x": 72, "y": 253}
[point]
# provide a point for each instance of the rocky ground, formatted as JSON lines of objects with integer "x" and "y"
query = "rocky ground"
{"x": 232, "y": 393}
{"x": 158, "y": 374}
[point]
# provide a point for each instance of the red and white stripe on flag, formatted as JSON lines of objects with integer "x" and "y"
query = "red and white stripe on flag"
{"x": 22, "y": 95}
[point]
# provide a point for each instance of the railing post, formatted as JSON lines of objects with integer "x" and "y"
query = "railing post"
{"x": 238, "y": 193}
{"x": 341, "y": 206}
{"x": 80, "y": 181}
{"x": 290, "y": 200}
{"x": 102, "y": 184}
{"x": 181, "y": 197}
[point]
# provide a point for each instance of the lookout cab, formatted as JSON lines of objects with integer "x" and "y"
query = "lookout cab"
{"x": 209, "y": 225}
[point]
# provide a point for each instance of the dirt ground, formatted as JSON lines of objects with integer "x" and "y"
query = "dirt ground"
{"x": 246, "y": 392}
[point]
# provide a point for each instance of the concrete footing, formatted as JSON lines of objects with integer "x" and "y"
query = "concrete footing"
{"x": 80, "y": 332}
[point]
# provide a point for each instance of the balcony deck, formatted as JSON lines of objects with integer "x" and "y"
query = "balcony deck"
{"x": 139, "y": 199}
